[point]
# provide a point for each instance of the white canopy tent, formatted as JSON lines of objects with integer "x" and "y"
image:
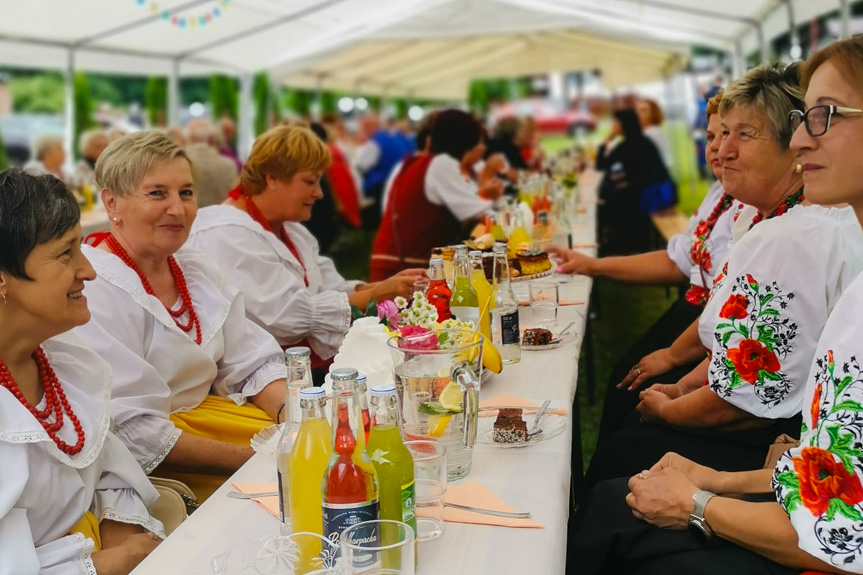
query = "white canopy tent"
{"x": 426, "y": 48}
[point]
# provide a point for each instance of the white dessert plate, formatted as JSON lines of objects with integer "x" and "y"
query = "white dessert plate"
{"x": 527, "y": 278}
{"x": 551, "y": 425}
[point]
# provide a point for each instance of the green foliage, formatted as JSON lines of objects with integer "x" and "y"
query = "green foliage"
{"x": 374, "y": 103}
{"x": 223, "y": 96}
{"x": 194, "y": 90}
{"x": 482, "y": 93}
{"x": 4, "y": 161}
{"x": 329, "y": 102}
{"x": 263, "y": 98}
{"x": 157, "y": 101}
{"x": 83, "y": 110}
{"x": 41, "y": 94}
{"x": 298, "y": 101}
{"x": 401, "y": 105}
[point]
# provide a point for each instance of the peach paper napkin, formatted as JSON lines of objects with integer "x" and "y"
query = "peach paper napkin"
{"x": 475, "y": 494}
{"x": 504, "y": 400}
{"x": 271, "y": 504}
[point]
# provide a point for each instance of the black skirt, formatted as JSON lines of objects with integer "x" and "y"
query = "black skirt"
{"x": 608, "y": 539}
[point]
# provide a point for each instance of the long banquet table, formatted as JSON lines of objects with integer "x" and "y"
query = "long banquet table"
{"x": 535, "y": 478}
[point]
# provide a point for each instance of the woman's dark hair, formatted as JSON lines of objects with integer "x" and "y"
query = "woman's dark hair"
{"x": 33, "y": 210}
{"x": 454, "y": 133}
{"x": 319, "y": 131}
{"x": 629, "y": 123}
{"x": 424, "y": 131}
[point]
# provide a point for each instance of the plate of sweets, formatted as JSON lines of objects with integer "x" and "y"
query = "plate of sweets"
{"x": 540, "y": 339}
{"x": 510, "y": 430}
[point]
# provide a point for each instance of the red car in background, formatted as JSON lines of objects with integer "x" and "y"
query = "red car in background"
{"x": 549, "y": 115}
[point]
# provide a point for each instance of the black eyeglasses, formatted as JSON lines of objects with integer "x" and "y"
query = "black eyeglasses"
{"x": 817, "y": 118}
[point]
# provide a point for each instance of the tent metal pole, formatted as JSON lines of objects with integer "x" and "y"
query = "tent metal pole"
{"x": 762, "y": 42}
{"x": 796, "y": 51}
{"x": 739, "y": 62}
{"x": 70, "y": 105}
{"x": 845, "y": 8}
{"x": 244, "y": 130}
{"x": 173, "y": 118}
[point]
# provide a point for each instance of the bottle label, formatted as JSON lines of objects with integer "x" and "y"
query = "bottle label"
{"x": 509, "y": 328}
{"x": 282, "y": 487}
{"x": 409, "y": 508}
{"x": 338, "y": 517}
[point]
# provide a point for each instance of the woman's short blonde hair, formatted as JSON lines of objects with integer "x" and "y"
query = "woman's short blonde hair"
{"x": 713, "y": 103}
{"x": 126, "y": 160}
{"x": 770, "y": 90}
{"x": 281, "y": 153}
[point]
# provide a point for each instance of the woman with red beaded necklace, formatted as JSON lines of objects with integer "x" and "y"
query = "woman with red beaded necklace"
{"x": 186, "y": 360}
{"x": 58, "y": 458}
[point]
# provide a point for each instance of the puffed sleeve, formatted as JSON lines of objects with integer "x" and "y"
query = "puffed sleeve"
{"x": 445, "y": 185}
{"x": 275, "y": 296}
{"x": 679, "y": 247}
{"x": 252, "y": 358}
{"x": 124, "y": 493}
{"x": 19, "y": 554}
{"x": 330, "y": 276}
{"x": 140, "y": 398}
{"x": 820, "y": 483}
{"x": 768, "y": 312}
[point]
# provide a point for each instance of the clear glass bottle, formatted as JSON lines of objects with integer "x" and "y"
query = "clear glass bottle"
{"x": 438, "y": 293}
{"x": 464, "y": 303}
{"x": 349, "y": 489}
{"x": 505, "y": 332}
{"x": 298, "y": 364}
{"x": 363, "y": 395}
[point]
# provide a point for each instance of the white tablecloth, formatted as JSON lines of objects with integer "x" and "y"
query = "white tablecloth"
{"x": 535, "y": 478}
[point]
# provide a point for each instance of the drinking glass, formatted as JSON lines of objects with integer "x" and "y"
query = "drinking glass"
{"x": 544, "y": 301}
{"x": 390, "y": 551}
{"x": 421, "y": 285}
{"x": 281, "y": 554}
{"x": 430, "y": 486}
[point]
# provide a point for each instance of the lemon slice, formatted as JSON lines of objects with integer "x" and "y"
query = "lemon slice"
{"x": 451, "y": 397}
{"x": 437, "y": 424}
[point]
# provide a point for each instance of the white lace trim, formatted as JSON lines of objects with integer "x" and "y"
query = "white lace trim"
{"x": 85, "y": 553}
{"x": 154, "y": 463}
{"x": 131, "y": 520}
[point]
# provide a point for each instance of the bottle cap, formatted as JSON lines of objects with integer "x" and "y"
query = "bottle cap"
{"x": 434, "y": 261}
{"x": 297, "y": 352}
{"x": 383, "y": 389}
{"x": 312, "y": 393}
{"x": 499, "y": 247}
{"x": 344, "y": 374}
{"x": 475, "y": 253}
{"x": 361, "y": 377}
{"x": 461, "y": 249}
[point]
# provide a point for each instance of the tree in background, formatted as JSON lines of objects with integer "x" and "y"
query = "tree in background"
{"x": 401, "y": 108}
{"x": 38, "y": 94}
{"x": 4, "y": 161}
{"x": 298, "y": 101}
{"x": 263, "y": 97}
{"x": 83, "y": 110}
{"x": 223, "y": 96}
{"x": 157, "y": 101}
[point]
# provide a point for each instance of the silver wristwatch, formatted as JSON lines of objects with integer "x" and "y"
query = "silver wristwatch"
{"x": 696, "y": 519}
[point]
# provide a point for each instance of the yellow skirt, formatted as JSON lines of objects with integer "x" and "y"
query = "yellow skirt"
{"x": 223, "y": 420}
{"x": 88, "y": 526}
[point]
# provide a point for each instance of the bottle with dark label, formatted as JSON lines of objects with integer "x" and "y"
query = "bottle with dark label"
{"x": 505, "y": 332}
{"x": 350, "y": 485}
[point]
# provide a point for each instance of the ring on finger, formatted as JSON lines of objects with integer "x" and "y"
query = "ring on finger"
{"x": 637, "y": 370}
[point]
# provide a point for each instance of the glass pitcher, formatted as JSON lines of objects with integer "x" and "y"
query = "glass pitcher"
{"x": 437, "y": 377}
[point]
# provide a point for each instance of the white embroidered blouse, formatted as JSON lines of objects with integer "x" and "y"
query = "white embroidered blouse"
{"x": 44, "y": 492}
{"x": 768, "y": 307}
{"x": 158, "y": 368}
{"x": 271, "y": 278}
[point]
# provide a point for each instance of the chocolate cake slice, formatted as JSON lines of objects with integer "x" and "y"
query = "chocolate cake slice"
{"x": 536, "y": 336}
{"x": 509, "y": 427}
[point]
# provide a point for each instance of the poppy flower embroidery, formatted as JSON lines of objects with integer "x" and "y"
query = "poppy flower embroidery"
{"x": 819, "y": 484}
{"x": 753, "y": 340}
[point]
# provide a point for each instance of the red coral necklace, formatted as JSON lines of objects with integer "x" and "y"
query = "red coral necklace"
{"x": 55, "y": 402}
{"x": 786, "y": 205}
{"x": 179, "y": 281}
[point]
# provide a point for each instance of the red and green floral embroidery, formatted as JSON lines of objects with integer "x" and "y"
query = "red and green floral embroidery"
{"x": 822, "y": 478}
{"x": 699, "y": 253}
{"x": 754, "y": 338}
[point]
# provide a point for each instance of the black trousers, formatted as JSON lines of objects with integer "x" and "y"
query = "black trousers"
{"x": 637, "y": 448}
{"x": 620, "y": 403}
{"x": 608, "y": 539}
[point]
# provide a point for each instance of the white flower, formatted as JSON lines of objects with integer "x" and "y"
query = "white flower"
{"x": 400, "y": 302}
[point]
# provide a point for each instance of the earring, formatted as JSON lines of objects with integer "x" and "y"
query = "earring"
{"x": 3, "y": 295}
{"x": 799, "y": 169}
{"x": 115, "y": 219}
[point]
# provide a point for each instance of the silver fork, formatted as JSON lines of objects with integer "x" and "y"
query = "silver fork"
{"x": 514, "y": 514}
{"x": 534, "y": 429}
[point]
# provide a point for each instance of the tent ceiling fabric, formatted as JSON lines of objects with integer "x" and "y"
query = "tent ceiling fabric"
{"x": 413, "y": 47}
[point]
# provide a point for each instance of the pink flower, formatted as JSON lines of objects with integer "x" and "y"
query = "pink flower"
{"x": 389, "y": 311}
{"x": 418, "y": 338}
